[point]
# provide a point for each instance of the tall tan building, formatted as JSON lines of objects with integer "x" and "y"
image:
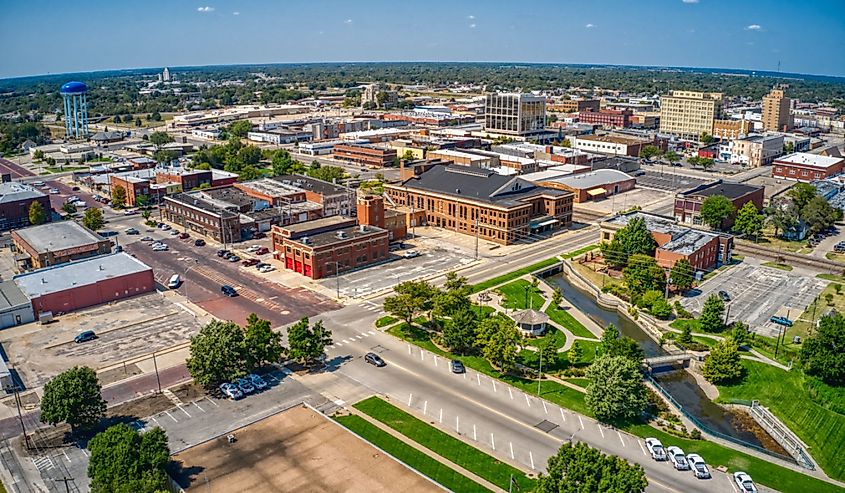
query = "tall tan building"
{"x": 517, "y": 114}
{"x": 688, "y": 114}
{"x": 776, "y": 115}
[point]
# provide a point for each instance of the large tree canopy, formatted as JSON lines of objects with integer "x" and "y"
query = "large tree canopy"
{"x": 124, "y": 461}
{"x": 73, "y": 397}
{"x": 579, "y": 468}
{"x": 616, "y": 390}
{"x": 823, "y": 353}
{"x": 634, "y": 238}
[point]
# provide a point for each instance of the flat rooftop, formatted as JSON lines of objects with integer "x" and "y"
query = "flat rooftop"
{"x": 325, "y": 222}
{"x": 684, "y": 240}
{"x": 339, "y": 235}
{"x": 295, "y": 450}
{"x": 60, "y": 235}
{"x": 729, "y": 189}
{"x": 80, "y": 273}
{"x": 613, "y": 139}
{"x": 13, "y": 191}
{"x": 592, "y": 179}
{"x": 807, "y": 159}
{"x": 11, "y": 296}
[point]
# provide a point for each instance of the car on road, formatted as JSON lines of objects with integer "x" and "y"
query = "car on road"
{"x": 147, "y": 238}
{"x": 411, "y": 254}
{"x": 174, "y": 281}
{"x": 678, "y": 458}
{"x": 222, "y": 253}
{"x": 266, "y": 268}
{"x": 37, "y": 184}
{"x": 130, "y": 212}
{"x": 698, "y": 466}
{"x": 457, "y": 366}
{"x": 245, "y": 385}
{"x": 374, "y": 359}
{"x": 250, "y": 262}
{"x": 228, "y": 290}
{"x": 233, "y": 258}
{"x": 132, "y": 231}
{"x": 199, "y": 242}
{"x": 54, "y": 191}
{"x": 724, "y": 296}
{"x": 655, "y": 449}
{"x": 184, "y": 236}
{"x": 258, "y": 382}
{"x": 88, "y": 335}
{"x": 262, "y": 251}
{"x": 231, "y": 391}
{"x": 744, "y": 482}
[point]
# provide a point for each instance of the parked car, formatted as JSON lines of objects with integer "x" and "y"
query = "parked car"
{"x": 678, "y": 458}
{"x": 54, "y": 191}
{"x": 724, "y": 296}
{"x": 221, "y": 253}
{"x": 245, "y": 385}
{"x": 88, "y": 335}
{"x": 184, "y": 236}
{"x": 234, "y": 258}
{"x": 411, "y": 254}
{"x": 199, "y": 242}
{"x": 249, "y": 262}
{"x": 231, "y": 391}
{"x": 165, "y": 227}
{"x": 160, "y": 248}
{"x": 257, "y": 381}
{"x": 253, "y": 248}
{"x": 132, "y": 231}
{"x": 259, "y": 235}
{"x": 173, "y": 232}
{"x": 374, "y": 359}
{"x": 130, "y": 212}
{"x": 228, "y": 290}
{"x": 266, "y": 268}
{"x": 262, "y": 251}
{"x": 457, "y": 366}
{"x": 698, "y": 466}
{"x": 655, "y": 449}
{"x": 147, "y": 238}
{"x": 744, "y": 482}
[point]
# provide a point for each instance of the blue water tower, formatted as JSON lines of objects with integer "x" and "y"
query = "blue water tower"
{"x": 76, "y": 109}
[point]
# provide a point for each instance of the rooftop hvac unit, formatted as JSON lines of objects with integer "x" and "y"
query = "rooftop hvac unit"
{"x": 305, "y": 240}
{"x": 341, "y": 235}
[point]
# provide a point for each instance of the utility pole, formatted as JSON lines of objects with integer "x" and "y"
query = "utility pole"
{"x": 158, "y": 380}
{"x": 540, "y": 372}
{"x": 66, "y": 480}
{"x": 20, "y": 418}
{"x": 476, "y": 237}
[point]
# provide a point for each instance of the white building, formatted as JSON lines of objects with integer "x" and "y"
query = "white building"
{"x": 165, "y": 75}
{"x": 205, "y": 133}
{"x": 754, "y": 151}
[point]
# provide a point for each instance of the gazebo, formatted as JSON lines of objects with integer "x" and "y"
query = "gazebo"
{"x": 531, "y": 322}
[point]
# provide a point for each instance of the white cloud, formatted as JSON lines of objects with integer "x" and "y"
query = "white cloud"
{"x": 753, "y": 27}
{"x": 590, "y": 26}
{"x": 205, "y": 9}
{"x": 348, "y": 21}
{"x": 472, "y": 26}
{"x": 236, "y": 13}
{"x": 471, "y": 17}
{"x": 690, "y": 1}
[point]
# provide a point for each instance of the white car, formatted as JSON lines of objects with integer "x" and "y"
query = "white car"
{"x": 266, "y": 268}
{"x": 54, "y": 191}
{"x": 698, "y": 466}
{"x": 744, "y": 482}
{"x": 253, "y": 248}
{"x": 231, "y": 391}
{"x": 655, "y": 449}
{"x": 160, "y": 248}
{"x": 678, "y": 458}
{"x": 411, "y": 254}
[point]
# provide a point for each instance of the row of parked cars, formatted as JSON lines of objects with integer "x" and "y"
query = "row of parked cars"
{"x": 243, "y": 386}
{"x": 695, "y": 463}
{"x": 818, "y": 237}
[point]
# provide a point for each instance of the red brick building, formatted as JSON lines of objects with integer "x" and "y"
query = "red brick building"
{"x": 607, "y": 118}
{"x": 802, "y": 166}
{"x": 373, "y": 157}
{"x": 15, "y": 201}
{"x": 688, "y": 203}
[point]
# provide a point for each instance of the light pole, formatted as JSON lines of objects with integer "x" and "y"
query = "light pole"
{"x": 155, "y": 365}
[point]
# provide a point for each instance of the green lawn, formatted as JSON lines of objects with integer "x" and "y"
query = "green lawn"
{"x": 445, "y": 445}
{"x": 483, "y": 311}
{"x": 693, "y": 324}
{"x": 386, "y": 320}
{"x": 514, "y": 294}
{"x": 581, "y": 382}
{"x": 831, "y": 277}
{"x": 580, "y": 251}
{"x": 427, "y": 466}
{"x": 513, "y": 275}
{"x": 808, "y": 409}
{"x": 776, "y": 265}
{"x": 565, "y": 319}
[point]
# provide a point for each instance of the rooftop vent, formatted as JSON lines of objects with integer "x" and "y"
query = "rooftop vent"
{"x": 341, "y": 235}
{"x": 457, "y": 190}
{"x": 43, "y": 281}
{"x": 305, "y": 240}
{"x": 362, "y": 228}
{"x": 100, "y": 267}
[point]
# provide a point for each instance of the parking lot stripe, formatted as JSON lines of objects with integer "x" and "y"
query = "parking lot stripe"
{"x": 531, "y": 456}
{"x": 511, "y": 446}
{"x": 338, "y": 344}
{"x": 154, "y": 419}
{"x": 478, "y": 377}
{"x": 345, "y": 341}
{"x": 67, "y": 457}
{"x": 527, "y": 401}
{"x": 183, "y": 410}
{"x": 510, "y": 392}
{"x": 171, "y": 416}
{"x": 492, "y": 441}
{"x": 494, "y": 385}
{"x": 563, "y": 416}
{"x": 474, "y": 436}
{"x": 544, "y": 406}
{"x": 410, "y": 396}
{"x": 425, "y": 408}
{"x": 409, "y": 349}
{"x": 359, "y": 337}
{"x": 365, "y": 334}
{"x": 198, "y": 406}
{"x": 581, "y": 421}
{"x": 441, "y": 415}
{"x": 85, "y": 452}
{"x": 435, "y": 360}
{"x": 458, "y": 424}
{"x": 211, "y": 401}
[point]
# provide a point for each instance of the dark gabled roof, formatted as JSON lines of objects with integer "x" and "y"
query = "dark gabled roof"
{"x": 473, "y": 183}
{"x": 729, "y": 189}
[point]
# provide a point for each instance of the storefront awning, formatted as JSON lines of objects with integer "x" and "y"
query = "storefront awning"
{"x": 596, "y": 192}
{"x": 547, "y": 222}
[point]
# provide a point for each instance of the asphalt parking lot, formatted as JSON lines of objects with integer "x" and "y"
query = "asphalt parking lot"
{"x": 757, "y": 293}
{"x": 667, "y": 180}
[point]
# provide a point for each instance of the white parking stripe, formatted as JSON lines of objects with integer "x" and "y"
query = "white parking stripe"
{"x": 620, "y": 438}
{"x": 510, "y": 392}
{"x": 409, "y": 349}
{"x": 338, "y": 344}
{"x": 492, "y": 441}
{"x": 531, "y": 456}
{"x": 365, "y": 334}
{"x": 562, "y": 415}
{"x": 478, "y": 377}
{"x": 600, "y": 430}
{"x": 67, "y": 456}
{"x": 198, "y": 406}
{"x": 372, "y": 332}
{"x": 581, "y": 421}
{"x": 359, "y": 337}
{"x": 544, "y": 406}
{"x": 474, "y": 435}
{"x": 183, "y": 410}
{"x": 345, "y": 341}
{"x": 171, "y": 417}
{"x": 511, "y": 445}
{"x": 494, "y": 385}
{"x": 527, "y": 401}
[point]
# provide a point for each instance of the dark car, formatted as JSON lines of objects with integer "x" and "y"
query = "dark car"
{"x": 374, "y": 359}
{"x": 262, "y": 251}
{"x": 457, "y": 366}
{"x": 724, "y": 296}
{"x": 228, "y": 290}
{"x": 250, "y": 262}
{"x": 199, "y": 242}
{"x": 184, "y": 236}
{"x": 75, "y": 189}
{"x": 88, "y": 335}
{"x": 258, "y": 235}
{"x": 222, "y": 253}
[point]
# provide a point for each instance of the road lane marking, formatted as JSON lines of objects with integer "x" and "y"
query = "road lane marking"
{"x": 359, "y": 337}
{"x": 198, "y": 406}
{"x": 474, "y": 435}
{"x": 410, "y": 396}
{"x": 425, "y": 407}
{"x": 562, "y": 415}
{"x": 492, "y": 441}
{"x": 345, "y": 341}
{"x": 365, "y": 334}
{"x": 511, "y": 445}
{"x": 435, "y": 361}
{"x": 478, "y": 377}
{"x": 510, "y": 392}
{"x": 372, "y": 332}
{"x": 531, "y": 456}
{"x": 600, "y": 430}
{"x": 641, "y": 447}
{"x": 527, "y": 401}
{"x": 494, "y": 385}
{"x": 544, "y": 406}
{"x": 409, "y": 349}
{"x": 620, "y": 438}
{"x": 171, "y": 417}
{"x": 441, "y": 415}
{"x": 458, "y": 424}
{"x": 581, "y": 421}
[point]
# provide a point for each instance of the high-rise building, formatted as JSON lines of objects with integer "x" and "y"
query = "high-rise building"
{"x": 688, "y": 114}
{"x": 515, "y": 114}
{"x": 776, "y": 115}
{"x": 165, "y": 75}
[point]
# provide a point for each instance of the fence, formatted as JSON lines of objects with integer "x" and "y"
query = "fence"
{"x": 717, "y": 434}
{"x": 781, "y": 434}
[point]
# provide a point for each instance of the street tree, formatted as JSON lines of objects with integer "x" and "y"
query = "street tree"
{"x": 706, "y": 138}
{"x": 331, "y": 174}
{"x": 165, "y": 156}
{"x": 661, "y": 308}
{"x": 642, "y": 274}
{"x": 616, "y": 390}
{"x": 577, "y": 468}
{"x": 686, "y": 334}
{"x": 459, "y": 332}
{"x": 801, "y": 194}
{"x": 634, "y": 238}
{"x": 682, "y": 275}
{"x": 306, "y": 342}
{"x": 723, "y": 365}
{"x": 217, "y": 354}
{"x": 158, "y": 139}
{"x": 740, "y": 333}
{"x": 557, "y": 297}
{"x": 93, "y": 219}
{"x": 240, "y": 128}
{"x": 37, "y": 215}
{"x": 118, "y": 197}
{"x": 261, "y": 344}
{"x": 499, "y": 339}
{"x": 614, "y": 344}
{"x": 69, "y": 208}
{"x": 73, "y": 397}
{"x": 715, "y": 209}
{"x": 248, "y": 173}
{"x": 782, "y": 214}
{"x": 819, "y": 214}
{"x": 672, "y": 157}
{"x": 447, "y": 303}
{"x": 411, "y": 298}
{"x": 123, "y": 460}
{"x": 821, "y": 353}
{"x": 142, "y": 201}
{"x": 282, "y": 163}
{"x": 649, "y": 151}
{"x": 455, "y": 282}
{"x": 712, "y": 317}
{"x": 576, "y": 352}
{"x": 749, "y": 221}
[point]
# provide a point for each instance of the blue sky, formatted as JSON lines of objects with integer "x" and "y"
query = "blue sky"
{"x": 40, "y": 36}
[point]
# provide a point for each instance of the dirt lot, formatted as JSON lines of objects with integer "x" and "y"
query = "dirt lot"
{"x": 296, "y": 450}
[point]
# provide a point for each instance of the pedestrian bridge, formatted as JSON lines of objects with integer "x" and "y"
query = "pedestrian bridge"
{"x": 680, "y": 358}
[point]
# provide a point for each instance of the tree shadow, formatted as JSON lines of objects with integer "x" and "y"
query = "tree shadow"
{"x": 183, "y": 476}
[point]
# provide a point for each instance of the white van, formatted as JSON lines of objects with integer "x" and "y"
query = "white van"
{"x": 174, "y": 281}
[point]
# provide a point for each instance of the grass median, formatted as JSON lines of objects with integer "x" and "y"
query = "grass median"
{"x": 429, "y": 467}
{"x": 445, "y": 445}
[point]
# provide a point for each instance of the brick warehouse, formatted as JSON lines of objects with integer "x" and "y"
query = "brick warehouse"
{"x": 15, "y": 200}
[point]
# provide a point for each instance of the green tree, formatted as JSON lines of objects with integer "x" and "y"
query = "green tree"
{"x": 138, "y": 122}
{"x": 782, "y": 214}
{"x": 118, "y": 197}
{"x": 158, "y": 139}
{"x": 93, "y": 219}
{"x": 715, "y": 209}
{"x": 249, "y": 154}
{"x": 165, "y": 156}
{"x": 821, "y": 353}
{"x": 125, "y": 461}
{"x": 579, "y": 468}
{"x": 789, "y": 148}
{"x": 73, "y": 397}
{"x": 459, "y": 332}
{"x": 217, "y": 354}
{"x": 801, "y": 194}
{"x": 408, "y": 155}
{"x": 740, "y": 333}
{"x": 330, "y": 174}
{"x": 682, "y": 275}
{"x": 37, "y": 215}
{"x": 613, "y": 344}
{"x": 117, "y": 119}
{"x": 706, "y": 138}
{"x": 576, "y": 352}
{"x": 261, "y": 344}
{"x": 712, "y": 317}
{"x": 248, "y": 173}
{"x": 671, "y": 157}
{"x": 819, "y": 214}
{"x": 649, "y": 298}
{"x": 642, "y": 274}
{"x": 748, "y": 221}
{"x": 142, "y": 201}
{"x": 616, "y": 390}
{"x": 411, "y": 297}
{"x": 634, "y": 238}
{"x": 661, "y": 309}
{"x": 686, "y": 334}
{"x": 455, "y": 282}
{"x": 723, "y": 365}
{"x": 282, "y": 163}
{"x": 308, "y": 342}
{"x": 38, "y": 155}
{"x": 69, "y": 208}
{"x": 649, "y": 151}
{"x": 557, "y": 297}
{"x": 156, "y": 116}
{"x": 499, "y": 339}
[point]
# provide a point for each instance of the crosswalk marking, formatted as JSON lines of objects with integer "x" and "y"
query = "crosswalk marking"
{"x": 43, "y": 463}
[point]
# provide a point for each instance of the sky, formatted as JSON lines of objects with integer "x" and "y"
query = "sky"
{"x": 42, "y": 36}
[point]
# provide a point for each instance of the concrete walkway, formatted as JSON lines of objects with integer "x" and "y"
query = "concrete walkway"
{"x": 754, "y": 354}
